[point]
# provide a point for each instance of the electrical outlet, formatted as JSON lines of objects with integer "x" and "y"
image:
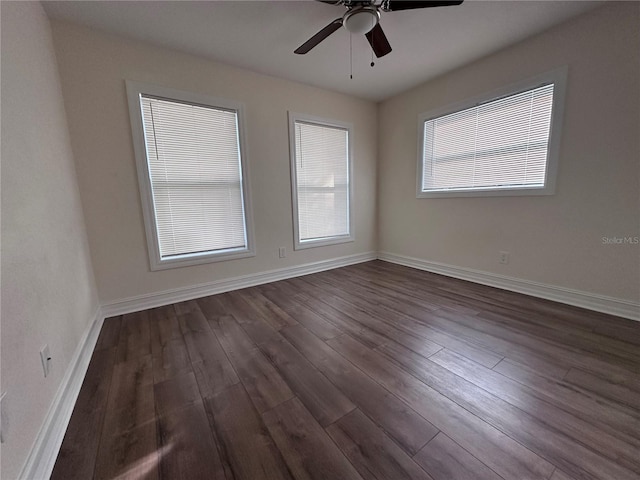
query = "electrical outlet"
{"x": 45, "y": 357}
{"x": 4, "y": 423}
{"x": 282, "y": 252}
{"x": 504, "y": 257}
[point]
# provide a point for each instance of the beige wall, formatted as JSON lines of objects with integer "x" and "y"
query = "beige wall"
{"x": 93, "y": 67}
{"x": 555, "y": 240}
{"x": 48, "y": 290}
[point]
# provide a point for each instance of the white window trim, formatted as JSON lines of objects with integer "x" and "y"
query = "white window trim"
{"x": 297, "y": 244}
{"x": 559, "y": 78}
{"x": 134, "y": 90}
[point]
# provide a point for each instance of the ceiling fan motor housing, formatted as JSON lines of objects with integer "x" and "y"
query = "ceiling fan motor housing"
{"x": 361, "y": 20}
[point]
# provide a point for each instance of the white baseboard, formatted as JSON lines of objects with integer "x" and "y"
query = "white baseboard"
{"x": 143, "y": 302}
{"x": 42, "y": 458}
{"x": 590, "y": 301}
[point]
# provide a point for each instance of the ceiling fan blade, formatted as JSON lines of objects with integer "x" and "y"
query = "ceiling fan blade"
{"x": 330, "y": 2}
{"x": 318, "y": 37}
{"x": 396, "y": 5}
{"x": 378, "y": 41}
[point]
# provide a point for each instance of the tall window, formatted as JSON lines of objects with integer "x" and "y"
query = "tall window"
{"x": 321, "y": 181}
{"x": 504, "y": 144}
{"x": 191, "y": 173}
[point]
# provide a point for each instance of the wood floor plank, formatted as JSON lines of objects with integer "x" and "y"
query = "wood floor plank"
{"x": 163, "y": 322}
{"x": 486, "y": 298}
{"x": 314, "y": 322}
{"x": 305, "y": 316}
{"x": 614, "y": 350}
{"x": 538, "y": 366}
{"x": 325, "y": 402}
{"x": 193, "y": 322}
{"x": 202, "y": 344}
{"x": 135, "y": 336}
{"x": 305, "y": 446}
{"x": 211, "y": 306}
{"x": 341, "y": 321}
{"x": 267, "y": 309}
{"x": 600, "y": 454}
{"x": 367, "y": 316}
{"x": 444, "y": 459}
{"x": 170, "y": 359}
{"x": 186, "y": 307}
{"x": 310, "y": 346}
{"x": 130, "y": 403}
{"x": 627, "y": 332}
{"x": 511, "y": 342}
{"x": 213, "y": 376}
{"x": 392, "y": 300}
{"x": 607, "y": 388}
{"x": 251, "y": 319}
{"x": 410, "y": 287}
{"x": 132, "y": 454}
{"x": 234, "y": 340}
{"x": 607, "y": 415}
{"x": 187, "y": 447}
{"x": 263, "y": 382}
{"x": 110, "y": 333}
{"x": 79, "y": 450}
{"x": 234, "y": 304}
{"x": 404, "y": 425}
{"x": 176, "y": 393}
{"x": 210, "y": 364}
{"x": 367, "y": 297}
{"x": 413, "y": 323}
{"x": 244, "y": 440}
{"x": 204, "y": 347}
{"x": 500, "y": 452}
{"x": 374, "y": 455}
{"x": 559, "y": 475}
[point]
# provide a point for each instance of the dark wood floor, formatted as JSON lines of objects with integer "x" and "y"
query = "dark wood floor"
{"x": 372, "y": 371}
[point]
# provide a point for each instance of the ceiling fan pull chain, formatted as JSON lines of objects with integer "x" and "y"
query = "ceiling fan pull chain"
{"x": 372, "y": 62}
{"x": 350, "y": 56}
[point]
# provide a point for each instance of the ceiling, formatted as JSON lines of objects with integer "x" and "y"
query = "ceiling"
{"x": 262, "y": 35}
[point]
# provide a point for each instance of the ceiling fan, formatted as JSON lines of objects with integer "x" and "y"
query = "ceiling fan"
{"x": 363, "y": 17}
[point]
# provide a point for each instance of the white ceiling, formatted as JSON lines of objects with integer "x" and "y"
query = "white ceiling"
{"x": 262, "y": 35}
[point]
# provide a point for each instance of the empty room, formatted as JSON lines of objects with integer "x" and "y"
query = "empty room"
{"x": 338, "y": 239}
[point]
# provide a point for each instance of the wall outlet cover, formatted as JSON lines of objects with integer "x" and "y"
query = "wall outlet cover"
{"x": 45, "y": 357}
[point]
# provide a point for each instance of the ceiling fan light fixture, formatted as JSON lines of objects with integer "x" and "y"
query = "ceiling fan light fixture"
{"x": 361, "y": 20}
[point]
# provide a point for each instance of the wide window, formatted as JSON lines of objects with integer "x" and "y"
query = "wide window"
{"x": 321, "y": 181}
{"x": 503, "y": 144}
{"x": 192, "y": 176}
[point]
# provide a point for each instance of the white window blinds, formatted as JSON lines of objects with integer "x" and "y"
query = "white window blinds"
{"x": 322, "y": 181}
{"x": 501, "y": 144}
{"x": 194, "y": 166}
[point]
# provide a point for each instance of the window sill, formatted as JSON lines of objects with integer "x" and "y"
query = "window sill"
{"x": 323, "y": 242}
{"x": 200, "y": 259}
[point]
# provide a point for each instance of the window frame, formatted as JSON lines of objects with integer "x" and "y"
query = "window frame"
{"x": 156, "y": 262}
{"x": 558, "y": 77}
{"x": 324, "y": 122}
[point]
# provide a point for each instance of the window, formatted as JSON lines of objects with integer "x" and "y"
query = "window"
{"x": 505, "y": 143}
{"x": 192, "y": 176}
{"x": 321, "y": 181}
